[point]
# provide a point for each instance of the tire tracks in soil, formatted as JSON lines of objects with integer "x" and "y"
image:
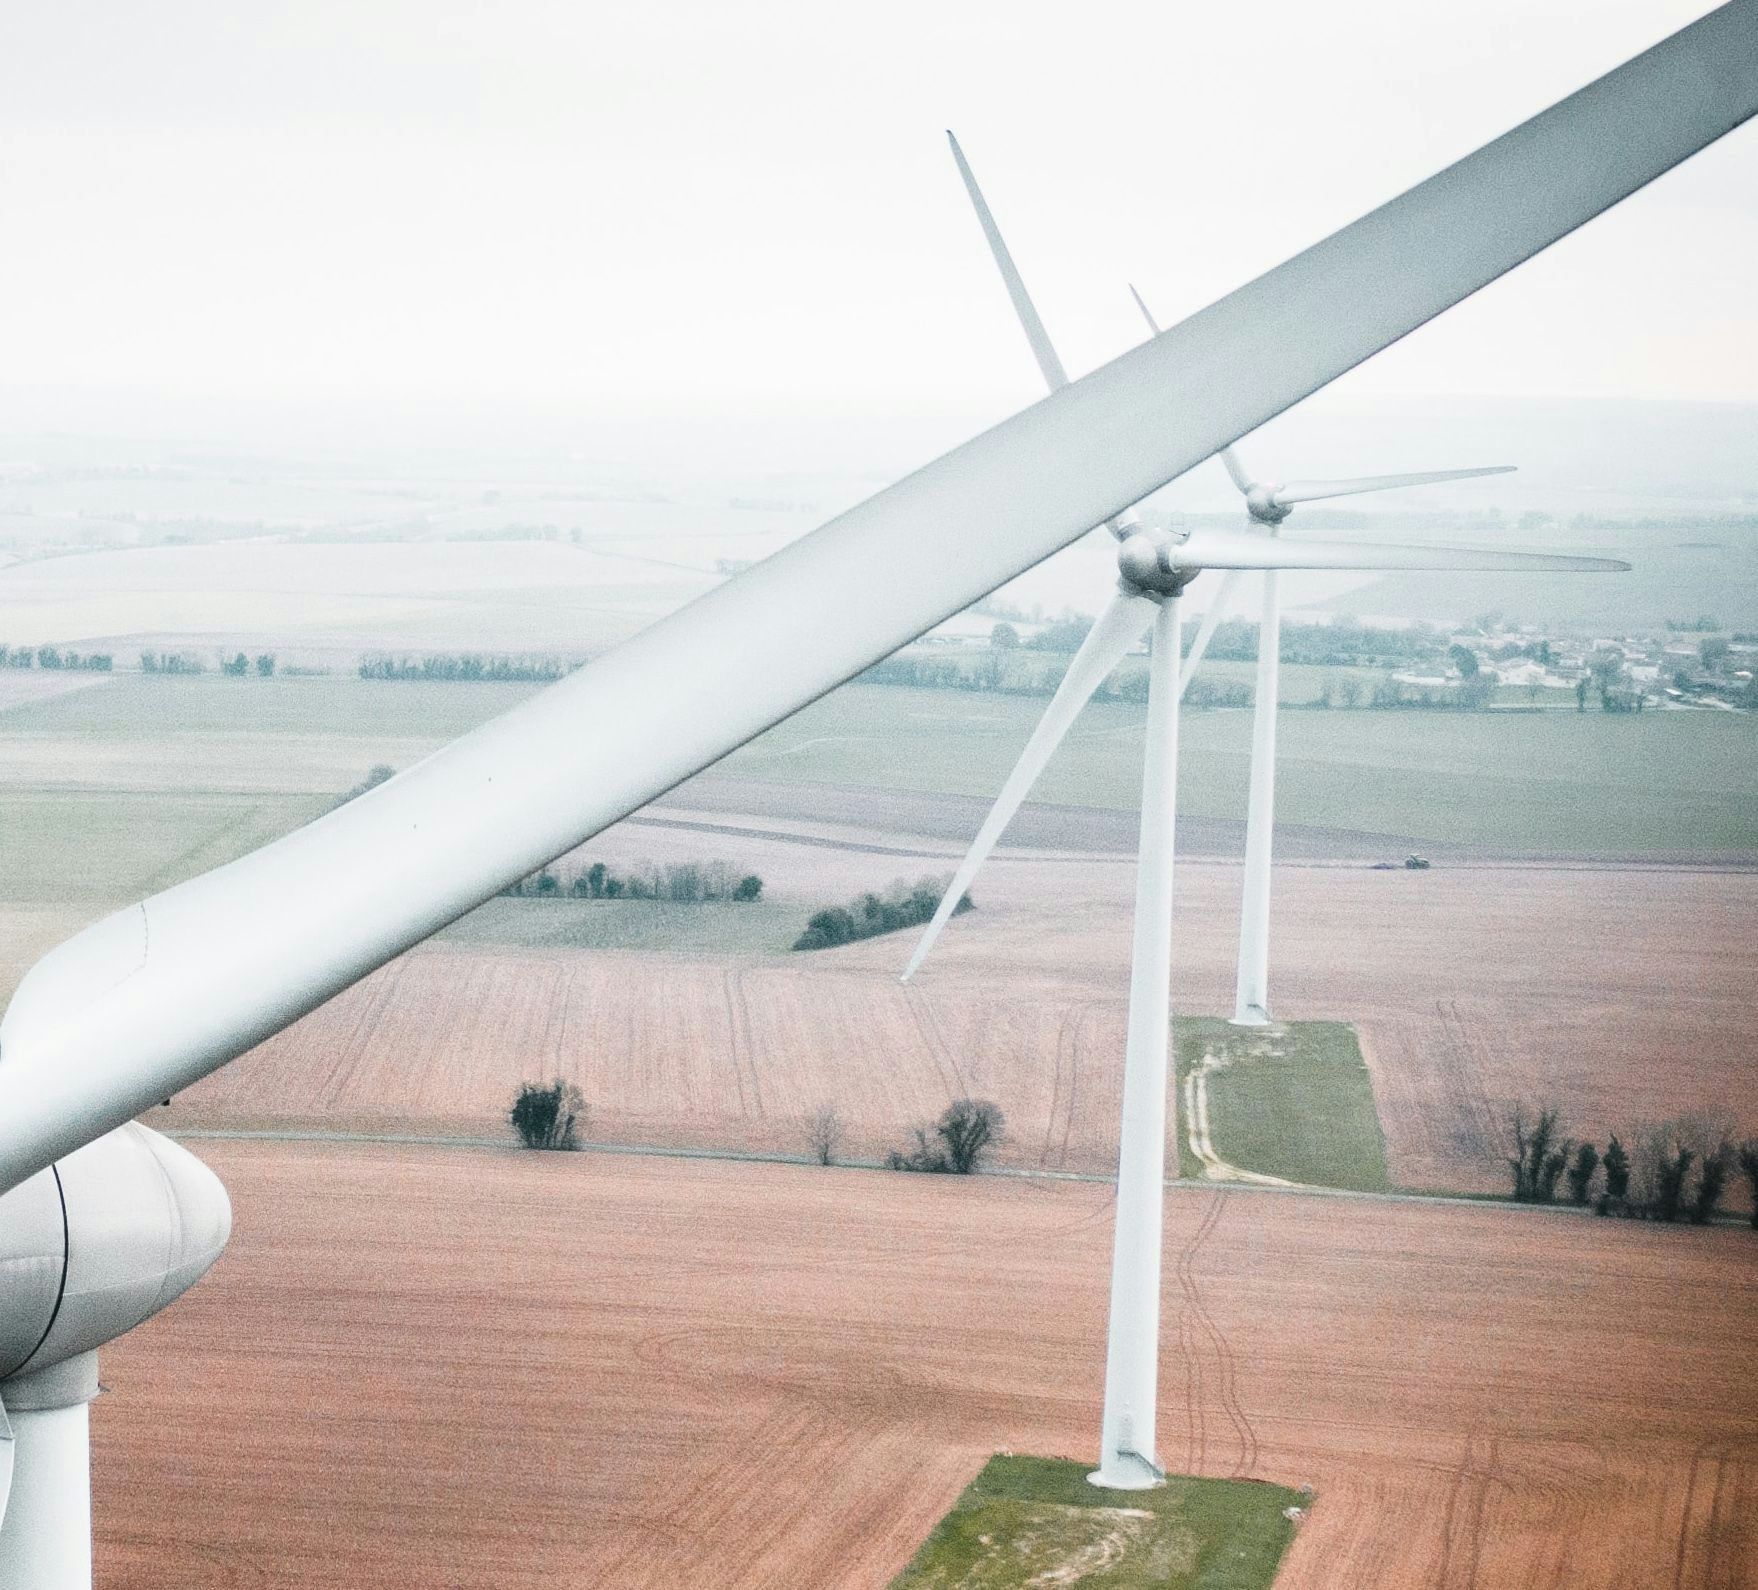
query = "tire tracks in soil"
{"x": 1196, "y": 1321}
{"x": 742, "y": 1045}
{"x": 1469, "y": 1491}
{"x": 934, "y": 1040}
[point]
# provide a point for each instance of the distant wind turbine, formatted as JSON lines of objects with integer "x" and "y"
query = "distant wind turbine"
{"x": 1154, "y": 566}
{"x": 1269, "y": 506}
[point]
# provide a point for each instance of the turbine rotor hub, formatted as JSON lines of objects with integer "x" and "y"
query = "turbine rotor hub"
{"x": 1261, "y": 504}
{"x": 1145, "y": 565}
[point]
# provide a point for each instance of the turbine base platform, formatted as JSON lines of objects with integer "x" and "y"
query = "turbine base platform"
{"x": 1251, "y": 1016}
{"x": 1127, "y": 1471}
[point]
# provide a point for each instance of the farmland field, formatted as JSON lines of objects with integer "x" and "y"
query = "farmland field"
{"x": 1471, "y": 990}
{"x": 1556, "y": 783}
{"x": 414, "y": 1365}
{"x": 1621, "y": 995}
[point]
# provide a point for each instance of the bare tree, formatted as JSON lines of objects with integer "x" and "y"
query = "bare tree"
{"x": 824, "y": 1133}
{"x": 1748, "y": 1154}
{"x": 969, "y": 1128}
{"x": 1538, "y": 1157}
{"x": 1661, "y": 1164}
{"x": 1581, "y": 1173}
{"x": 1711, "y": 1183}
{"x": 1617, "y": 1177}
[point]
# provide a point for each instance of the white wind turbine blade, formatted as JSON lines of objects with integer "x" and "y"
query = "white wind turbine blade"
{"x": 1043, "y": 350}
{"x": 1122, "y": 624}
{"x": 1205, "y": 631}
{"x": 161, "y": 994}
{"x": 1055, "y": 377}
{"x": 1293, "y": 491}
{"x": 1244, "y": 549}
{"x": 1229, "y": 455}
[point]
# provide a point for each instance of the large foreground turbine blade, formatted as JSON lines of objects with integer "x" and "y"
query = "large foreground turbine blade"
{"x": 1245, "y": 549}
{"x": 1293, "y": 491}
{"x": 159, "y": 995}
{"x": 1043, "y": 350}
{"x": 1119, "y": 628}
{"x": 1229, "y": 455}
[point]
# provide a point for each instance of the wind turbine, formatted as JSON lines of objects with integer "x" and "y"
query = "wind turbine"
{"x": 1154, "y": 566}
{"x": 1269, "y": 506}
{"x": 157, "y": 996}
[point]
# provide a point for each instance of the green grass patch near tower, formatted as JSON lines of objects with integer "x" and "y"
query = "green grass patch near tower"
{"x": 1292, "y": 1101}
{"x": 1036, "y": 1521}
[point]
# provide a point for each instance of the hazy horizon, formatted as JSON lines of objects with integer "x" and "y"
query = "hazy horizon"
{"x": 628, "y": 211}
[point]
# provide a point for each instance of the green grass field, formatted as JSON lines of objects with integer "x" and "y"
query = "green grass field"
{"x": 106, "y": 848}
{"x": 1036, "y": 1521}
{"x": 1293, "y": 1101}
{"x": 130, "y": 705}
{"x": 1550, "y": 782}
{"x": 108, "y": 793}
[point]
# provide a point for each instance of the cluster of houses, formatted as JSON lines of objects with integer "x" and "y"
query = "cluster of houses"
{"x": 1692, "y": 666}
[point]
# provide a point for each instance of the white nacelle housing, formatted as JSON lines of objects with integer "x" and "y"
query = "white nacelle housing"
{"x": 100, "y": 1242}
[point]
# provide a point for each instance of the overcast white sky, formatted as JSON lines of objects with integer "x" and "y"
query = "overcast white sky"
{"x": 593, "y": 208}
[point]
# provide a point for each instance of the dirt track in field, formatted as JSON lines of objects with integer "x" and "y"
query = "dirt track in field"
{"x": 1620, "y": 996}
{"x": 445, "y": 1368}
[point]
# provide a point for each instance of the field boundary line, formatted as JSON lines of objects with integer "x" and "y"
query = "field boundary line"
{"x": 755, "y": 1156}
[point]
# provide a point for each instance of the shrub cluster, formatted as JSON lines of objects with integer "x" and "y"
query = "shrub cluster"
{"x": 1394, "y": 696}
{"x": 547, "y": 1117}
{"x": 238, "y": 666}
{"x": 967, "y": 1130}
{"x": 1677, "y": 1170}
{"x": 171, "y": 662}
{"x": 686, "y": 882}
{"x": 902, "y": 905}
{"x": 375, "y": 777}
{"x": 1344, "y": 644}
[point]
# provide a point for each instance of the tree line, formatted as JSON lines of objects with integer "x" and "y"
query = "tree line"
{"x": 902, "y": 905}
{"x": 685, "y": 882}
{"x": 1009, "y": 674}
{"x": 53, "y": 657}
{"x": 1670, "y": 1171}
{"x": 468, "y": 667}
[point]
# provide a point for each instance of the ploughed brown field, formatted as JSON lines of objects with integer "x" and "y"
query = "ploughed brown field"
{"x": 444, "y": 1367}
{"x": 1621, "y": 996}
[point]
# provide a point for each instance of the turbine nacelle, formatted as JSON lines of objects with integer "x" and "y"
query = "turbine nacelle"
{"x": 111, "y": 1235}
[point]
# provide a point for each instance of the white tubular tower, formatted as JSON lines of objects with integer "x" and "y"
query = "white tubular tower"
{"x": 1127, "y": 1459}
{"x": 1251, "y": 1002}
{"x": 46, "y": 1541}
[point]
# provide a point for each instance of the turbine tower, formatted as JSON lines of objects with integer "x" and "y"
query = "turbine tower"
{"x": 102, "y": 1224}
{"x": 1269, "y": 506}
{"x": 1154, "y": 566}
